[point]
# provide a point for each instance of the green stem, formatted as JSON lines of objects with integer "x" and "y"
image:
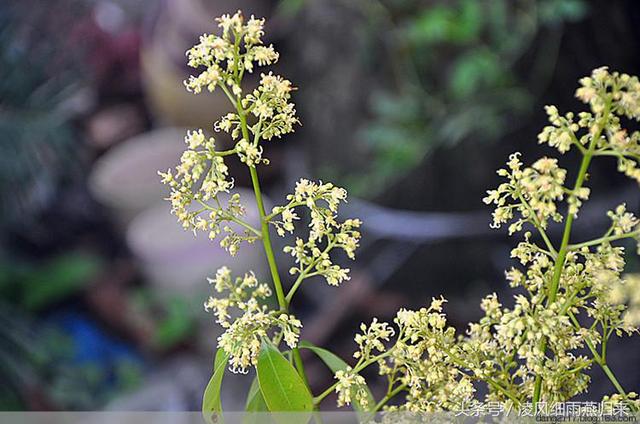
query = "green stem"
{"x": 305, "y": 273}
{"x": 244, "y": 224}
{"x": 601, "y": 361}
{"x": 504, "y": 391}
{"x": 390, "y": 395}
{"x": 232, "y": 218}
{"x": 266, "y": 242}
{"x": 566, "y": 234}
{"x": 601, "y": 240}
{"x": 357, "y": 369}
{"x": 613, "y": 379}
{"x": 224, "y": 153}
{"x": 605, "y": 337}
{"x": 538, "y": 224}
{"x": 273, "y": 267}
{"x": 491, "y": 382}
{"x": 289, "y": 206}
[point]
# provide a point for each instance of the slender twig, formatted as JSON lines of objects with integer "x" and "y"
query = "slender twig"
{"x": 390, "y": 395}
{"x": 538, "y": 225}
{"x": 305, "y": 273}
{"x": 289, "y": 206}
{"x": 601, "y": 362}
{"x": 606, "y": 239}
{"x": 229, "y": 217}
{"x": 356, "y": 369}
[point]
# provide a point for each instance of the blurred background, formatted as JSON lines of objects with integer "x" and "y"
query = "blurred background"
{"x": 409, "y": 104}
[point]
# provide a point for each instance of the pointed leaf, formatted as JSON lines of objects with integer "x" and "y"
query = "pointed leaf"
{"x": 255, "y": 401}
{"x": 256, "y": 406}
{"x": 335, "y": 363}
{"x": 280, "y": 383}
{"x": 211, "y": 402}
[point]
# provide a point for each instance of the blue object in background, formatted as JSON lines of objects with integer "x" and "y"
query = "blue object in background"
{"x": 95, "y": 359}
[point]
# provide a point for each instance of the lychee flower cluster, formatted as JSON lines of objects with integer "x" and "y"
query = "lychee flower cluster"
{"x": 623, "y": 222}
{"x": 530, "y": 194}
{"x": 627, "y": 293}
{"x": 350, "y": 387}
{"x": 200, "y": 194}
{"x": 326, "y": 232}
{"x": 252, "y": 321}
{"x": 373, "y": 338}
{"x": 269, "y": 104}
{"x": 222, "y": 58}
{"x": 423, "y": 361}
{"x": 611, "y": 95}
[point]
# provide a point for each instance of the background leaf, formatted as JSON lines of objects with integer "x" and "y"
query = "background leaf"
{"x": 280, "y": 384}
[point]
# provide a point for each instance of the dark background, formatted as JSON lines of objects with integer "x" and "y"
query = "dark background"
{"x": 409, "y": 104}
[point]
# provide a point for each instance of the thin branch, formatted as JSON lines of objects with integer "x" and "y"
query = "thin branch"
{"x": 606, "y": 239}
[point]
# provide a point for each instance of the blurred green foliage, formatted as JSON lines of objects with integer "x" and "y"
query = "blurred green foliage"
{"x": 33, "y": 288}
{"x": 174, "y": 316}
{"x": 38, "y": 78}
{"x": 450, "y": 74}
{"x": 455, "y": 77}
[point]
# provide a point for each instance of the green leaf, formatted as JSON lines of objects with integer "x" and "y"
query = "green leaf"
{"x": 211, "y": 403}
{"x": 255, "y": 401}
{"x": 335, "y": 363}
{"x": 280, "y": 384}
{"x": 479, "y": 69}
{"x": 256, "y": 405}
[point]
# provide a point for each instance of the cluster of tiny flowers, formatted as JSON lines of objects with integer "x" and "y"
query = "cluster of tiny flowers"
{"x": 202, "y": 174}
{"x": 225, "y": 59}
{"x": 243, "y": 334}
{"x": 195, "y": 186}
{"x": 627, "y": 293}
{"x": 623, "y": 222}
{"x": 350, "y": 387}
{"x": 269, "y": 104}
{"x": 622, "y": 89}
{"x": 532, "y": 192}
{"x": 630, "y": 399}
{"x": 201, "y": 195}
{"x": 326, "y": 233}
{"x": 538, "y": 340}
{"x": 222, "y": 57}
{"x": 372, "y": 338}
{"x": 249, "y": 153}
{"x": 423, "y": 359}
{"x": 427, "y": 358}
{"x": 611, "y": 95}
{"x": 590, "y": 279}
{"x": 539, "y": 188}
{"x": 561, "y": 134}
